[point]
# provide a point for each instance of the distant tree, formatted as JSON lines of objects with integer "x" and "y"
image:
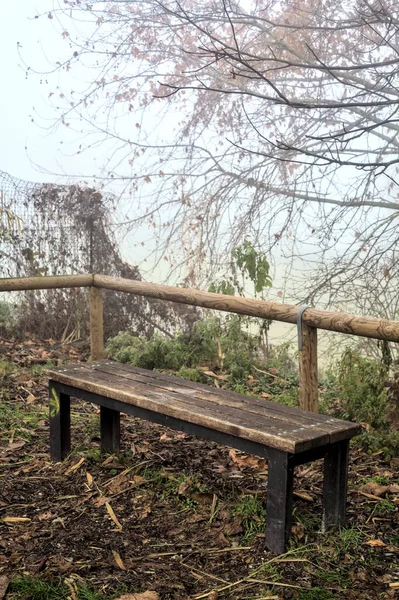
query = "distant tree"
{"x": 282, "y": 125}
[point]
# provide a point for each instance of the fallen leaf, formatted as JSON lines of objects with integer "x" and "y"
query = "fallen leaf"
{"x": 62, "y": 564}
{"x": 4, "y": 581}
{"x": 113, "y": 516}
{"x": 89, "y": 479}
{"x": 118, "y": 560}
{"x": 244, "y": 461}
{"x": 137, "y": 479}
{"x": 15, "y": 446}
{"x": 303, "y": 495}
{"x": 222, "y": 541}
{"x": 100, "y": 501}
{"x": 213, "y": 595}
{"x": 298, "y": 531}
{"x": 374, "y": 543}
{"x": 202, "y": 497}
{"x": 118, "y": 484}
{"x": 74, "y": 467}
{"x": 374, "y": 488}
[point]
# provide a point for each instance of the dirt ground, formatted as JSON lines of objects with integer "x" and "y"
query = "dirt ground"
{"x": 174, "y": 514}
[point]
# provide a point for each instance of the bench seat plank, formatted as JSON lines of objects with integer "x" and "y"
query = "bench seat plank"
{"x": 233, "y": 414}
{"x": 336, "y": 428}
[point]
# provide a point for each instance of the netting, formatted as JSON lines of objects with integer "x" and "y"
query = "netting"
{"x": 53, "y": 229}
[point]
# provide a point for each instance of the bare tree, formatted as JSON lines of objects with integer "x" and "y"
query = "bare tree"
{"x": 275, "y": 120}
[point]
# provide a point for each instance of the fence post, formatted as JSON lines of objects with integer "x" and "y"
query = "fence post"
{"x": 308, "y": 377}
{"x": 96, "y": 323}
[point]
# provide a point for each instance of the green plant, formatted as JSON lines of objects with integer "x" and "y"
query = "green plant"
{"x": 36, "y": 588}
{"x": 348, "y": 538}
{"x": 269, "y": 571}
{"x": 385, "y": 441}
{"x": 385, "y": 507}
{"x": 40, "y": 369}
{"x": 381, "y": 479}
{"x": 190, "y": 374}
{"x": 252, "y": 514}
{"x": 334, "y": 578}
{"x": 18, "y": 417}
{"x": 7, "y": 368}
{"x": 316, "y": 593}
{"x": 254, "y": 264}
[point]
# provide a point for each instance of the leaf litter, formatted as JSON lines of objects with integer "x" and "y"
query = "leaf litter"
{"x": 163, "y": 516}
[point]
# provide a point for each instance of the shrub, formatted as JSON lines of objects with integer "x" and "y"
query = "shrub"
{"x": 225, "y": 346}
{"x": 7, "y": 317}
{"x": 364, "y": 395}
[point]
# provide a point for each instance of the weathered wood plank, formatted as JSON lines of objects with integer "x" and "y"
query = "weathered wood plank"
{"x": 308, "y": 375}
{"x": 201, "y": 412}
{"x": 337, "y": 429}
{"x": 96, "y": 324}
{"x": 200, "y": 407}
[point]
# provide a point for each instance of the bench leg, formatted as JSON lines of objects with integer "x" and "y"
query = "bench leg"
{"x": 335, "y": 485}
{"x": 110, "y": 430}
{"x": 60, "y": 424}
{"x": 279, "y": 501}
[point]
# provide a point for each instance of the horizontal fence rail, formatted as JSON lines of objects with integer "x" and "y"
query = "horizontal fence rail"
{"x": 308, "y": 320}
{"x": 20, "y": 284}
{"x": 276, "y": 311}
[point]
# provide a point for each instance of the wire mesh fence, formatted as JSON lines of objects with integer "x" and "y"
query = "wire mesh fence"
{"x": 62, "y": 229}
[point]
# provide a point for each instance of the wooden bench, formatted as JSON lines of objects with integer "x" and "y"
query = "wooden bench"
{"x": 285, "y": 436}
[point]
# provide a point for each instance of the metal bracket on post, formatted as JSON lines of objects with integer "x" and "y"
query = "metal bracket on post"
{"x": 299, "y": 324}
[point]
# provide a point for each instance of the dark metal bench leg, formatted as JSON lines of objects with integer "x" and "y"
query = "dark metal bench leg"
{"x": 110, "y": 430}
{"x": 335, "y": 485}
{"x": 279, "y": 501}
{"x": 60, "y": 424}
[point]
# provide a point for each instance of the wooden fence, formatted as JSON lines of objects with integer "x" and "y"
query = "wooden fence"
{"x": 308, "y": 320}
